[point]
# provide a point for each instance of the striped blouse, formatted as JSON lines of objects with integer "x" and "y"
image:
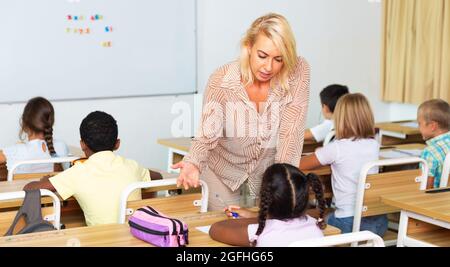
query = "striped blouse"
{"x": 238, "y": 143}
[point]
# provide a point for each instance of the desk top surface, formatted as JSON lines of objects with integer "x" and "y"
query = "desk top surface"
{"x": 436, "y": 206}
{"x": 118, "y": 235}
{"x": 13, "y": 186}
{"x": 398, "y": 127}
{"x": 406, "y": 146}
{"x": 182, "y": 144}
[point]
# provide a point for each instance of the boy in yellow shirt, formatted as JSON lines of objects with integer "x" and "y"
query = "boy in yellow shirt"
{"x": 98, "y": 182}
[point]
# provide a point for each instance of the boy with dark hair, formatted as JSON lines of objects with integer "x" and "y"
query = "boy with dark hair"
{"x": 98, "y": 182}
{"x": 328, "y": 98}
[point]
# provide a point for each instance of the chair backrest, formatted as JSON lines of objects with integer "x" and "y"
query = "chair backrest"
{"x": 329, "y": 138}
{"x": 378, "y": 136}
{"x": 40, "y": 161}
{"x": 372, "y": 187}
{"x": 337, "y": 240}
{"x": 445, "y": 171}
{"x": 51, "y": 214}
{"x": 185, "y": 202}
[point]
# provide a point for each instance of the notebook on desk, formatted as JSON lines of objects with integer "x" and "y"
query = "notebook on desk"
{"x": 438, "y": 190}
{"x": 400, "y": 153}
{"x": 411, "y": 124}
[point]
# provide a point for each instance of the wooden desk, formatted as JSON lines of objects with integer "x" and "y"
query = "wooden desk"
{"x": 76, "y": 151}
{"x": 13, "y": 186}
{"x": 178, "y": 148}
{"x": 424, "y": 219}
{"x": 411, "y": 146}
{"x": 118, "y": 235}
{"x": 394, "y": 133}
{"x": 311, "y": 146}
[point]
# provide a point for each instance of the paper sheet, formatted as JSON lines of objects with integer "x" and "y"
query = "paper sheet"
{"x": 410, "y": 152}
{"x": 204, "y": 229}
{"x": 413, "y": 124}
{"x": 400, "y": 153}
{"x": 391, "y": 154}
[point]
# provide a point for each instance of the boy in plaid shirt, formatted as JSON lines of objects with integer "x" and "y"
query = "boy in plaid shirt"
{"x": 434, "y": 125}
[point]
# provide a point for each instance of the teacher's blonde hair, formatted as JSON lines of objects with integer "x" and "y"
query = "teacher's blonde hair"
{"x": 276, "y": 28}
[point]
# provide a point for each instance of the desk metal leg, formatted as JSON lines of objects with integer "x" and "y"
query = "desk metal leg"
{"x": 169, "y": 161}
{"x": 405, "y": 240}
{"x": 174, "y": 154}
{"x": 402, "y": 229}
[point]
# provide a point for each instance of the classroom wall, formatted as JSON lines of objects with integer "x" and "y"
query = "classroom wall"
{"x": 341, "y": 39}
{"x": 343, "y": 46}
{"x": 399, "y": 112}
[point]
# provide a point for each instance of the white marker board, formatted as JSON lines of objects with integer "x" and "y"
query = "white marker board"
{"x": 84, "y": 49}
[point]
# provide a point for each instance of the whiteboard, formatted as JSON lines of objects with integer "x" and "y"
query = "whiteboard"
{"x": 83, "y": 49}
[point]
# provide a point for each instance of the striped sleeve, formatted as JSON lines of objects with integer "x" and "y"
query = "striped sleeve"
{"x": 211, "y": 123}
{"x": 293, "y": 121}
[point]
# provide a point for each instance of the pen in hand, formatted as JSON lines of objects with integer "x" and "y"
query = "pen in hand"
{"x": 234, "y": 214}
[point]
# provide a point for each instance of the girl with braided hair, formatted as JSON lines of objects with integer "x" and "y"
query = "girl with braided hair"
{"x": 282, "y": 217}
{"x": 37, "y": 135}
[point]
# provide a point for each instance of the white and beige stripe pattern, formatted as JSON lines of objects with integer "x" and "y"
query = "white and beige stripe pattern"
{"x": 235, "y": 143}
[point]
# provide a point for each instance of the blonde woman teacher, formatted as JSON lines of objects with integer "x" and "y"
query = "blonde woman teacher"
{"x": 254, "y": 115}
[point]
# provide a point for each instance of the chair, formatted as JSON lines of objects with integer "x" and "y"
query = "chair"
{"x": 48, "y": 213}
{"x": 169, "y": 205}
{"x": 445, "y": 171}
{"x": 329, "y": 138}
{"x": 40, "y": 161}
{"x": 371, "y": 187}
{"x": 337, "y": 240}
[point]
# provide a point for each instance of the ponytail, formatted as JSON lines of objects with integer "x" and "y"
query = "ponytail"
{"x": 316, "y": 185}
{"x": 266, "y": 201}
{"x": 48, "y": 137}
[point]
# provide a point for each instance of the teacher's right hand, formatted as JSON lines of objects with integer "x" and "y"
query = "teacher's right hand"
{"x": 189, "y": 175}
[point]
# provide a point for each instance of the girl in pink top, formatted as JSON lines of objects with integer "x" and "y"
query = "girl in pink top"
{"x": 282, "y": 217}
